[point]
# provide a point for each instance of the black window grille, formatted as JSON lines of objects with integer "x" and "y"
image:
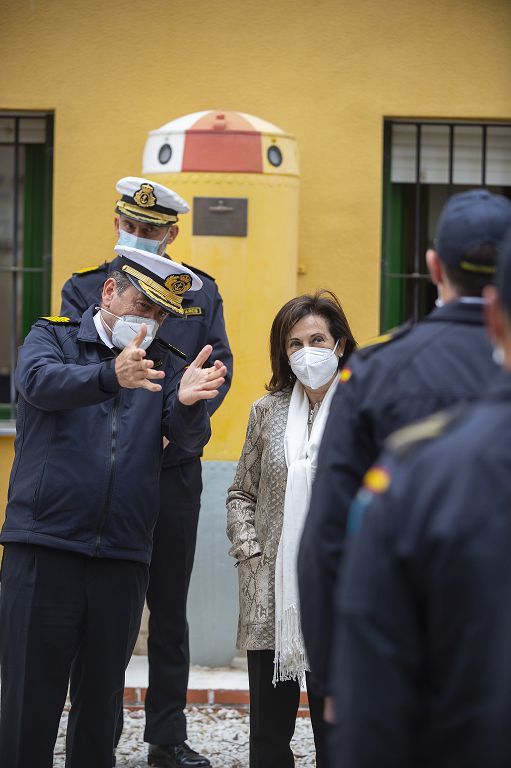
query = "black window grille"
{"x": 26, "y": 161}
{"x": 426, "y": 161}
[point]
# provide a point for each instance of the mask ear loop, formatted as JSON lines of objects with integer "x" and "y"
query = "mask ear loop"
{"x": 105, "y": 325}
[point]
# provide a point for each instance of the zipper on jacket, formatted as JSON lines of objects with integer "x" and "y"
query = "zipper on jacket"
{"x": 113, "y": 448}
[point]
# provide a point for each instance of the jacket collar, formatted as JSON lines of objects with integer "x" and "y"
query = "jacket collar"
{"x": 87, "y": 330}
{"x": 458, "y": 311}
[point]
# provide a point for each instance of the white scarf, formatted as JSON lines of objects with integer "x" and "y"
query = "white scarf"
{"x": 301, "y": 453}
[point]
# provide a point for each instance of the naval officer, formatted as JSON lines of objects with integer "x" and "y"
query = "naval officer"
{"x": 95, "y": 397}
{"x": 146, "y": 216}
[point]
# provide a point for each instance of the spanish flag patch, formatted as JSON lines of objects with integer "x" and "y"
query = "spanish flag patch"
{"x": 376, "y": 480}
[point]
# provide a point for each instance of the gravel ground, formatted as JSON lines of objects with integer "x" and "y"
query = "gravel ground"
{"x": 221, "y": 734}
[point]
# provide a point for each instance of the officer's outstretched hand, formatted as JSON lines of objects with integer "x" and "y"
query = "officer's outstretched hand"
{"x": 200, "y": 383}
{"x": 133, "y": 370}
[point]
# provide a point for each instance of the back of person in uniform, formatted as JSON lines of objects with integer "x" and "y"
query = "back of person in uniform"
{"x": 445, "y": 359}
{"x": 423, "y": 628}
{"x": 147, "y": 217}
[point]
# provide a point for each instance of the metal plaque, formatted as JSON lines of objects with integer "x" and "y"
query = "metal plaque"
{"x": 220, "y": 216}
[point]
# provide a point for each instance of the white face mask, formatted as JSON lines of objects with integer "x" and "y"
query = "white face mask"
{"x": 143, "y": 243}
{"x": 128, "y": 326}
{"x": 314, "y": 366}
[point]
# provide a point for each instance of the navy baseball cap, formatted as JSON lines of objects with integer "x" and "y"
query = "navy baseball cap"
{"x": 469, "y": 220}
{"x": 503, "y": 278}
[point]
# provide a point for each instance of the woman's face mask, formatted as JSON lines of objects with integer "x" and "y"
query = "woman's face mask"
{"x": 127, "y": 327}
{"x": 143, "y": 243}
{"x": 314, "y": 366}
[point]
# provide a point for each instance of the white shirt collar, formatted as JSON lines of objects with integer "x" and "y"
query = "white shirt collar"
{"x": 103, "y": 335}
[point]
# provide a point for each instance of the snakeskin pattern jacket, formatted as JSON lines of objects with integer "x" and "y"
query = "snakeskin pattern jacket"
{"x": 255, "y": 508}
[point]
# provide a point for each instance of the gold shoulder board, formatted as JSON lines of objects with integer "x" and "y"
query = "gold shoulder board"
{"x": 57, "y": 319}
{"x": 85, "y": 270}
{"x": 376, "y": 340}
{"x": 426, "y": 429}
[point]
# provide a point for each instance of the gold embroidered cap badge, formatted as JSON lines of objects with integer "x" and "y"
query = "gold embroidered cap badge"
{"x": 178, "y": 284}
{"x": 145, "y": 196}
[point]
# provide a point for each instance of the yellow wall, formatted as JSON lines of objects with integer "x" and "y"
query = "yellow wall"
{"x": 327, "y": 71}
{"x": 6, "y": 457}
{"x": 256, "y": 275}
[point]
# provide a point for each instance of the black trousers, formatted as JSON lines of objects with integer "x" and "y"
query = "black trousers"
{"x": 59, "y": 611}
{"x": 171, "y": 566}
{"x": 273, "y": 711}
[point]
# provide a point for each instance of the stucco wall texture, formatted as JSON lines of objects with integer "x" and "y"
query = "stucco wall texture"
{"x": 327, "y": 72}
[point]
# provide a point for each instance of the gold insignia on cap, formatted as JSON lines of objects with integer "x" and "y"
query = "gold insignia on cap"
{"x": 484, "y": 269}
{"x": 165, "y": 295}
{"x": 145, "y": 196}
{"x": 178, "y": 284}
{"x": 153, "y": 217}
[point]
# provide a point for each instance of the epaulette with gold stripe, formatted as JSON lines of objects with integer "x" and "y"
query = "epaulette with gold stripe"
{"x": 378, "y": 342}
{"x": 87, "y": 270}
{"x": 59, "y": 320}
{"x": 403, "y": 441}
{"x": 199, "y": 271}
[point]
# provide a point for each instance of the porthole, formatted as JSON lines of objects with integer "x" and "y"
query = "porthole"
{"x": 274, "y": 156}
{"x": 165, "y": 153}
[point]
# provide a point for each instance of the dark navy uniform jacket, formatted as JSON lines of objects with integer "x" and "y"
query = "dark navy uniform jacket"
{"x": 203, "y": 323}
{"x": 87, "y": 451}
{"x": 443, "y": 360}
{"x": 422, "y": 649}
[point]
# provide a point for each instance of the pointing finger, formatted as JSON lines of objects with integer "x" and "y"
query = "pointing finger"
{"x": 202, "y": 356}
{"x": 139, "y": 338}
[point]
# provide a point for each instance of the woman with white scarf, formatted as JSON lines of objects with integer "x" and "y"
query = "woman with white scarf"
{"x": 267, "y": 503}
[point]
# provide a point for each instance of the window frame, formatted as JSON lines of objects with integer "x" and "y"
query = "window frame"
{"x": 393, "y": 276}
{"x": 30, "y": 264}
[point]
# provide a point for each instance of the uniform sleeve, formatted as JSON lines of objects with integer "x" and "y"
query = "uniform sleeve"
{"x": 242, "y": 495}
{"x": 217, "y": 337}
{"x": 347, "y": 451}
{"x": 47, "y": 381}
{"x": 377, "y": 649}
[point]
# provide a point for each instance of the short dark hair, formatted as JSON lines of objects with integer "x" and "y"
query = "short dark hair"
{"x": 467, "y": 283}
{"x": 323, "y": 303}
{"x": 122, "y": 281}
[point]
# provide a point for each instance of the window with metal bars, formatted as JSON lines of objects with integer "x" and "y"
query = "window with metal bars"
{"x": 426, "y": 161}
{"x": 26, "y": 161}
